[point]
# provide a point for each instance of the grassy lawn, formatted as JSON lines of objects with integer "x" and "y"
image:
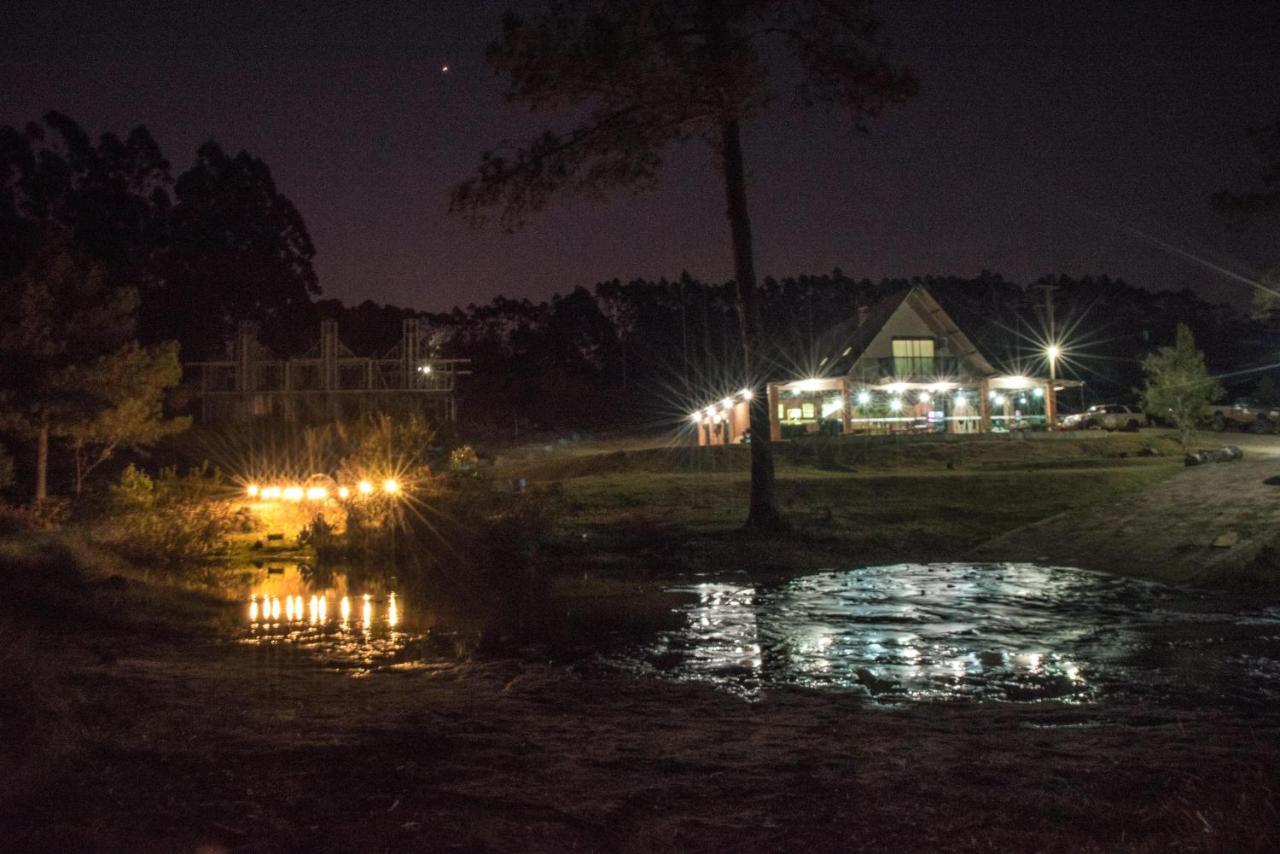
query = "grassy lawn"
{"x": 851, "y": 502}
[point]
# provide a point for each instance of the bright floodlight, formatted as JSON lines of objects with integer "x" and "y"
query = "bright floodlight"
{"x": 252, "y": 490}
{"x": 896, "y": 404}
{"x": 365, "y": 487}
{"x": 390, "y": 486}
{"x": 1053, "y": 351}
{"x": 746, "y": 394}
{"x": 344, "y": 493}
{"x": 864, "y": 397}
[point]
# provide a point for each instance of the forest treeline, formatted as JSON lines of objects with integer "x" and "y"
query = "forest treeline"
{"x": 199, "y": 249}
{"x": 645, "y": 352}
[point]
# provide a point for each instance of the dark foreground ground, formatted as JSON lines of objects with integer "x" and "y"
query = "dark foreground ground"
{"x": 177, "y": 740}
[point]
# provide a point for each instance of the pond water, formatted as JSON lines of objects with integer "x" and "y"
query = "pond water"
{"x": 1017, "y": 632}
{"x": 901, "y": 633}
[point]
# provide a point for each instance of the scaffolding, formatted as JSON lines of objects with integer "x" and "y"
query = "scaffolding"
{"x": 328, "y": 382}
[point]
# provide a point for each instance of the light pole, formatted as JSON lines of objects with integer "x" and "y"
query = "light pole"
{"x": 1051, "y": 395}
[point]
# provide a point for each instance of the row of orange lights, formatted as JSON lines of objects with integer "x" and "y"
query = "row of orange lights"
{"x": 296, "y": 493}
{"x": 711, "y": 413}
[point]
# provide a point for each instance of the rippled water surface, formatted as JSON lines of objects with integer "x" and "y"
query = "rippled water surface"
{"x": 970, "y": 631}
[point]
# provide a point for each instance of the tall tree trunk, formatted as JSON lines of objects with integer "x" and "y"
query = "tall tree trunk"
{"x": 763, "y": 514}
{"x": 42, "y": 463}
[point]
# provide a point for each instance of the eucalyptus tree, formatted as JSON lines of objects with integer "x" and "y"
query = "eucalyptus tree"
{"x": 632, "y": 77}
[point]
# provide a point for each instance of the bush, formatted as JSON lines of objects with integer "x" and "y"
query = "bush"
{"x": 171, "y": 518}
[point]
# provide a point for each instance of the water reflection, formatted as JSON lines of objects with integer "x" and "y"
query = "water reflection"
{"x": 961, "y": 631}
{"x": 300, "y": 608}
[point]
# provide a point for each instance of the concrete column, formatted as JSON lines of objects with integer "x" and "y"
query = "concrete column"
{"x": 409, "y": 357}
{"x": 984, "y": 406}
{"x": 846, "y": 416}
{"x": 244, "y": 353}
{"x": 1050, "y": 406}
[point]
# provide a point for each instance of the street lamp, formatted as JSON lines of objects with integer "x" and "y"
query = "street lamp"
{"x": 1053, "y": 351}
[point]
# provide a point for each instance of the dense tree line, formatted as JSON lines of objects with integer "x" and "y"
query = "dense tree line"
{"x": 644, "y": 352}
{"x": 104, "y": 257}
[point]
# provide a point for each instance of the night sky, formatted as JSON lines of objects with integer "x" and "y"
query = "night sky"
{"x": 1046, "y": 136}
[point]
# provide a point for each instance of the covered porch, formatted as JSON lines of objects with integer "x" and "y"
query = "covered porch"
{"x": 840, "y": 405}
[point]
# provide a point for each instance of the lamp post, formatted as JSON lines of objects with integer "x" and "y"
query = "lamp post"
{"x": 1051, "y": 397}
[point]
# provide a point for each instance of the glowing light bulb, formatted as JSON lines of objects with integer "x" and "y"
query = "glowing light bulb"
{"x": 317, "y": 493}
{"x": 390, "y": 486}
{"x": 365, "y": 487}
{"x": 746, "y": 393}
{"x": 293, "y": 493}
{"x": 896, "y": 404}
{"x": 864, "y": 397}
{"x": 1053, "y": 351}
{"x": 344, "y": 493}
{"x": 251, "y": 490}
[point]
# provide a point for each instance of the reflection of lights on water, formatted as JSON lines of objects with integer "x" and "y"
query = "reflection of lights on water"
{"x": 275, "y": 608}
{"x": 367, "y": 613}
{"x": 253, "y": 610}
{"x": 393, "y": 612}
{"x": 288, "y": 608}
{"x": 314, "y": 611}
{"x": 345, "y": 609}
{"x": 324, "y": 607}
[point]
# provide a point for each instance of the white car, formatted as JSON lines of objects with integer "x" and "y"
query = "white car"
{"x": 1105, "y": 416}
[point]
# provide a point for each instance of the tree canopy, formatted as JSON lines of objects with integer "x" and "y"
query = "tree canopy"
{"x": 1178, "y": 386}
{"x": 634, "y": 76}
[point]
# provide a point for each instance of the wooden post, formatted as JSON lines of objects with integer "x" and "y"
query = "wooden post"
{"x": 775, "y": 426}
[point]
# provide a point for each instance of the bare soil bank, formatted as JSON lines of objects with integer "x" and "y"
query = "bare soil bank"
{"x": 198, "y": 744}
{"x": 1217, "y": 523}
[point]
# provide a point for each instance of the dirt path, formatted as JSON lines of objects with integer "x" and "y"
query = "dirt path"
{"x": 223, "y": 748}
{"x": 1168, "y": 531}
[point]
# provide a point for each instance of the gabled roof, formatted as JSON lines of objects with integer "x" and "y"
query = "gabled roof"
{"x": 849, "y": 340}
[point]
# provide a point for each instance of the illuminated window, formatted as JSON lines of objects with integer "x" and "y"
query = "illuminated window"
{"x": 782, "y": 412}
{"x": 793, "y": 414}
{"x": 807, "y": 409}
{"x": 912, "y": 356}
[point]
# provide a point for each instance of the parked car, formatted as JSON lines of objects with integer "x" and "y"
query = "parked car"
{"x": 1245, "y": 413}
{"x": 1106, "y": 416}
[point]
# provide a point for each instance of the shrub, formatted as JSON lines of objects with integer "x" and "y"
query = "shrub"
{"x": 171, "y": 518}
